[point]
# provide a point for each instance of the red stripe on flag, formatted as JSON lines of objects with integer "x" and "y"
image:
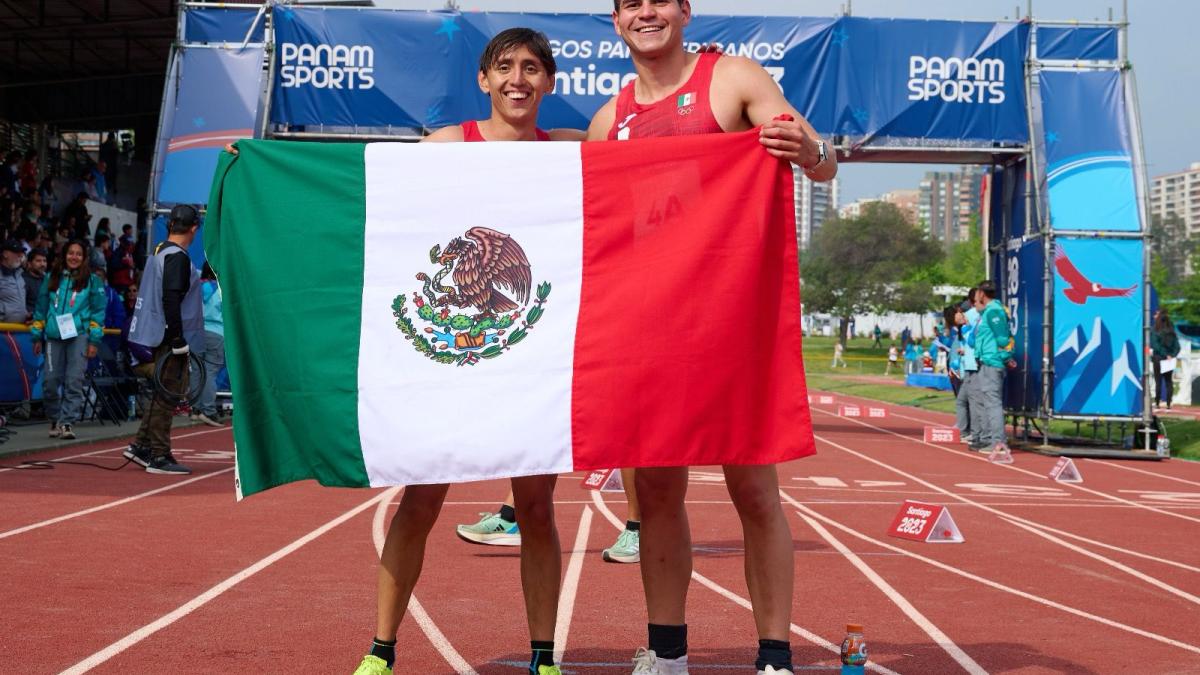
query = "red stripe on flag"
{"x": 688, "y": 346}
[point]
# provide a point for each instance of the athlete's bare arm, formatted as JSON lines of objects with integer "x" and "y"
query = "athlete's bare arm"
{"x": 742, "y": 82}
{"x": 567, "y": 135}
{"x": 602, "y": 121}
{"x": 450, "y": 134}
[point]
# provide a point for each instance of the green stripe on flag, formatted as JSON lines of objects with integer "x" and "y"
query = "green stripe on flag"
{"x": 284, "y": 233}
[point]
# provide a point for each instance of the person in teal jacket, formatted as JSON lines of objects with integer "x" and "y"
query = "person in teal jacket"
{"x": 68, "y": 322}
{"x": 993, "y": 345}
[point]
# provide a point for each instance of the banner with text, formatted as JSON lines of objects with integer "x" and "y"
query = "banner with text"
{"x": 864, "y": 78}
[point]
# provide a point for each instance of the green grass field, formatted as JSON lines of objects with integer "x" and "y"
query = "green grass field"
{"x": 862, "y": 359}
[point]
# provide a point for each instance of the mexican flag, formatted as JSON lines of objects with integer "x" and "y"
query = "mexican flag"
{"x": 444, "y": 312}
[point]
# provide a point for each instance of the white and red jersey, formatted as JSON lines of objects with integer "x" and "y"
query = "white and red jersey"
{"x": 687, "y": 111}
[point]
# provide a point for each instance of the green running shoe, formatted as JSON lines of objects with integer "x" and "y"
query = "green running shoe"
{"x": 491, "y": 530}
{"x": 548, "y": 670}
{"x": 627, "y": 549}
{"x": 373, "y": 665}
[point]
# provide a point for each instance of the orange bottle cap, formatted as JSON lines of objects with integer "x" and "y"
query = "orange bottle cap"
{"x": 854, "y": 628}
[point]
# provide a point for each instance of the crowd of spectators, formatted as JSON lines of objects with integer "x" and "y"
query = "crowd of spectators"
{"x": 66, "y": 278}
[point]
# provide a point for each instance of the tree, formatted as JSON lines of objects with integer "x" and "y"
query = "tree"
{"x": 966, "y": 263}
{"x": 875, "y": 262}
{"x": 1171, "y": 249}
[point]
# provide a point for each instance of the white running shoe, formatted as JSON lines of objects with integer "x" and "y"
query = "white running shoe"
{"x": 771, "y": 671}
{"x": 645, "y": 662}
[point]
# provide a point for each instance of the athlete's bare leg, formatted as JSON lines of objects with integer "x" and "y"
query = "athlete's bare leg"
{"x": 628, "y": 477}
{"x": 404, "y": 554}
{"x": 666, "y": 545}
{"x": 541, "y": 556}
{"x": 770, "y": 557}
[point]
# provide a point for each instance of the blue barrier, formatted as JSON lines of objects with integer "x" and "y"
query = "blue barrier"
{"x": 20, "y": 369}
{"x": 929, "y": 381}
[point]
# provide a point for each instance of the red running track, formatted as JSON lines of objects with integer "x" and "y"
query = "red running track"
{"x": 126, "y": 572}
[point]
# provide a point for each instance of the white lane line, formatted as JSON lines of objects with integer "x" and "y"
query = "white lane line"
{"x": 737, "y": 599}
{"x": 570, "y": 586}
{"x": 1027, "y": 525}
{"x": 30, "y": 457}
{"x": 981, "y": 458}
{"x": 1148, "y": 473}
{"x": 207, "y": 596}
{"x": 939, "y": 638}
{"x": 434, "y": 634}
{"x": 109, "y": 505}
{"x": 1073, "y": 504}
{"x": 994, "y": 584}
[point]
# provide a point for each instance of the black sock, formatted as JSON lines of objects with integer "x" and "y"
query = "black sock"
{"x": 384, "y": 650}
{"x": 633, "y": 525}
{"x": 776, "y": 653}
{"x": 508, "y": 513}
{"x": 543, "y": 654}
{"x": 668, "y": 642}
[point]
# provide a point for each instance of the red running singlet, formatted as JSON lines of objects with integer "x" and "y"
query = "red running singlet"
{"x": 687, "y": 111}
{"x": 471, "y": 133}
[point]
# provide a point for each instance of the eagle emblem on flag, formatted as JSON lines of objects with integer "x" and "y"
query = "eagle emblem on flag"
{"x": 473, "y": 318}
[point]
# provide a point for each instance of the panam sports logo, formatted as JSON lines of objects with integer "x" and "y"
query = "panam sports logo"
{"x": 956, "y": 80}
{"x": 327, "y": 66}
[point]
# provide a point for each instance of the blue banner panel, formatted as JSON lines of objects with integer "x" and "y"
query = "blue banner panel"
{"x": 1098, "y": 339}
{"x": 198, "y": 124}
{"x": 1078, "y": 43}
{"x": 372, "y": 68}
{"x": 20, "y": 369}
{"x": 225, "y": 24}
{"x": 1024, "y": 296}
{"x": 860, "y": 77}
{"x": 1089, "y": 166}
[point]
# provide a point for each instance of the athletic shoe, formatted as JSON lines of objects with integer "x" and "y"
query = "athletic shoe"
{"x": 205, "y": 419}
{"x": 968, "y": 440}
{"x": 66, "y": 433}
{"x": 491, "y": 530}
{"x": 771, "y": 671}
{"x": 548, "y": 670}
{"x": 645, "y": 662}
{"x": 626, "y": 550}
{"x": 373, "y": 665}
{"x": 137, "y": 454}
{"x": 55, "y": 432}
{"x": 166, "y": 464}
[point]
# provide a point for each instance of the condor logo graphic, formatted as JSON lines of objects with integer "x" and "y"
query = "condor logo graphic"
{"x": 956, "y": 80}
{"x": 327, "y": 66}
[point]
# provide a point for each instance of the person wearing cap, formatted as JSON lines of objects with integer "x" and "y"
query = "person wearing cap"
{"x": 12, "y": 283}
{"x": 168, "y": 319}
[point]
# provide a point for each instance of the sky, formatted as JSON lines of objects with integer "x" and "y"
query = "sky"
{"x": 1162, "y": 47}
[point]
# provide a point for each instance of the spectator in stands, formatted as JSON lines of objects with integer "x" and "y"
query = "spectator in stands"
{"x": 101, "y": 251}
{"x": 77, "y": 210}
{"x": 27, "y": 175}
{"x": 68, "y": 318}
{"x": 214, "y": 349}
{"x": 12, "y": 283}
{"x": 35, "y": 271}
{"x": 1164, "y": 345}
{"x": 121, "y": 266}
{"x": 126, "y": 236}
{"x": 46, "y": 194}
{"x": 993, "y": 349}
{"x": 110, "y": 153}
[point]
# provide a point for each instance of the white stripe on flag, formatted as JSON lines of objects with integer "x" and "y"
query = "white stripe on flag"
{"x": 415, "y": 423}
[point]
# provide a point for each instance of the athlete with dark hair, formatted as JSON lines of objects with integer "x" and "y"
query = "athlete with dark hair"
{"x": 516, "y": 71}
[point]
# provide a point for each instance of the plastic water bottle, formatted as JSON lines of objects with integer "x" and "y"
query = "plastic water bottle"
{"x": 1163, "y": 446}
{"x": 132, "y": 407}
{"x": 854, "y": 651}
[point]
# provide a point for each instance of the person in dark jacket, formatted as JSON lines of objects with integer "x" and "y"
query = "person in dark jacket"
{"x": 1164, "y": 346}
